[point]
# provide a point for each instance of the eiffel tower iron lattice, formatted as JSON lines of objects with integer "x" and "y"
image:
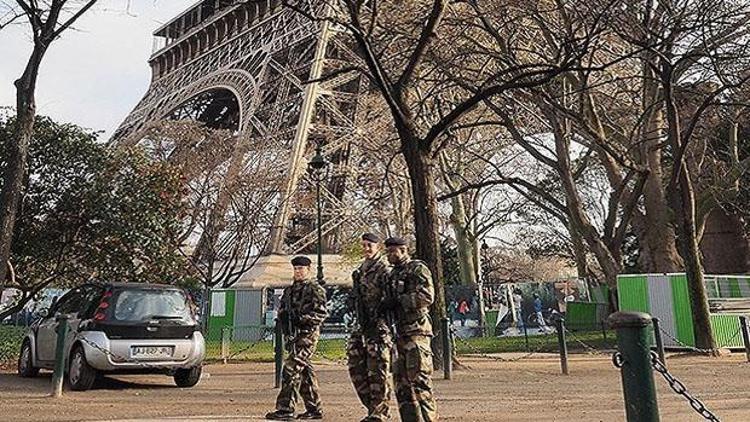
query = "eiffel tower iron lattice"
{"x": 242, "y": 65}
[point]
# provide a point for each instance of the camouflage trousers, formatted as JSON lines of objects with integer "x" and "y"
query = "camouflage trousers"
{"x": 298, "y": 376}
{"x": 413, "y": 379}
{"x": 369, "y": 362}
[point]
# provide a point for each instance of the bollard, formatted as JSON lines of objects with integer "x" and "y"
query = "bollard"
{"x": 563, "y": 346}
{"x": 745, "y": 336}
{"x": 278, "y": 353}
{"x": 659, "y": 342}
{"x": 58, "y": 374}
{"x": 224, "y": 344}
{"x": 447, "y": 352}
{"x": 526, "y": 337}
{"x": 634, "y": 361}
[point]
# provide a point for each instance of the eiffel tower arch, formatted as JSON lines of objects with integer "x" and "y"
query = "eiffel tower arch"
{"x": 242, "y": 65}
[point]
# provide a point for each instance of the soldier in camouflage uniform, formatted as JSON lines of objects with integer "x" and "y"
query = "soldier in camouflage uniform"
{"x": 302, "y": 311}
{"x": 369, "y": 346}
{"x": 411, "y": 297}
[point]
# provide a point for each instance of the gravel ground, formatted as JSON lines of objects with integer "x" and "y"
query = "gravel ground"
{"x": 529, "y": 390}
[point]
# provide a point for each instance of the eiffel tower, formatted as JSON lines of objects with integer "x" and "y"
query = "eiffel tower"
{"x": 242, "y": 65}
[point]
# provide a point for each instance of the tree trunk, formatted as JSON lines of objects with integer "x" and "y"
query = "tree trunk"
{"x": 682, "y": 200}
{"x": 684, "y": 208}
{"x": 464, "y": 245}
{"x": 426, "y": 227}
{"x": 579, "y": 253}
{"x": 18, "y": 152}
{"x": 579, "y": 221}
{"x": 658, "y": 249}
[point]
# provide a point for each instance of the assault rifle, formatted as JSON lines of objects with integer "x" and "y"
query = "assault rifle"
{"x": 359, "y": 313}
{"x": 391, "y": 295}
{"x": 289, "y": 319}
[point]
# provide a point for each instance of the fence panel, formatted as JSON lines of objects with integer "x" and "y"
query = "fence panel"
{"x": 10, "y": 344}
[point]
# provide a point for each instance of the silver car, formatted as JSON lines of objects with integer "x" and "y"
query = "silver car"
{"x": 118, "y": 328}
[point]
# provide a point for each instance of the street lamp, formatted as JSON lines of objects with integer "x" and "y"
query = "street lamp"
{"x": 483, "y": 274}
{"x": 319, "y": 169}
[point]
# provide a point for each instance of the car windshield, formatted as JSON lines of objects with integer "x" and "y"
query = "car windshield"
{"x": 151, "y": 304}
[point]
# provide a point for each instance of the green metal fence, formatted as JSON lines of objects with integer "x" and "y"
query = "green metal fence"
{"x": 10, "y": 344}
{"x": 255, "y": 343}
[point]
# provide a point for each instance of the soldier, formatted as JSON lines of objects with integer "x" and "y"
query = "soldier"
{"x": 370, "y": 344}
{"x": 302, "y": 311}
{"x": 412, "y": 293}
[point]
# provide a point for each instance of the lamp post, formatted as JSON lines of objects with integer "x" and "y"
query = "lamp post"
{"x": 480, "y": 284}
{"x": 319, "y": 168}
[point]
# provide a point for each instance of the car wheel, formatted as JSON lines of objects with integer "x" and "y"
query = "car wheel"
{"x": 186, "y": 378}
{"x": 26, "y": 367}
{"x": 81, "y": 375}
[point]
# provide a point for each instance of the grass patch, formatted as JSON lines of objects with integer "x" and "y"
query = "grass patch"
{"x": 335, "y": 349}
{"x": 541, "y": 343}
{"x": 263, "y": 351}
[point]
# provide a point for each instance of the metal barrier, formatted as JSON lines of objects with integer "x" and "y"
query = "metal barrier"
{"x": 258, "y": 343}
{"x": 562, "y": 345}
{"x": 447, "y": 349}
{"x": 637, "y": 364}
{"x": 242, "y": 342}
{"x": 633, "y": 359}
{"x": 58, "y": 374}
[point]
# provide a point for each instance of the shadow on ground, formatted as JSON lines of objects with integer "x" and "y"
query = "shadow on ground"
{"x": 42, "y": 384}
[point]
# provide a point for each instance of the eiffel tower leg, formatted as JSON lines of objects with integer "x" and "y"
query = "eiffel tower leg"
{"x": 296, "y": 163}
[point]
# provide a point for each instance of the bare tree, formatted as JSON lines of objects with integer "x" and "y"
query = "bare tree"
{"x": 227, "y": 216}
{"x": 686, "y": 43}
{"x": 394, "y": 39}
{"x": 47, "y": 21}
{"x": 633, "y": 108}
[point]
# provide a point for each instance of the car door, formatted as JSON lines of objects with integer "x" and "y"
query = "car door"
{"x": 91, "y": 298}
{"x": 46, "y": 337}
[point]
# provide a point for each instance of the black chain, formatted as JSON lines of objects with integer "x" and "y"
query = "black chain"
{"x": 617, "y": 360}
{"x": 678, "y": 387}
{"x": 589, "y": 349}
{"x": 476, "y": 351}
{"x": 675, "y": 384}
{"x": 266, "y": 332}
{"x": 696, "y": 349}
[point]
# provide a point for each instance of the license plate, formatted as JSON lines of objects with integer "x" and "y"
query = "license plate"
{"x": 151, "y": 352}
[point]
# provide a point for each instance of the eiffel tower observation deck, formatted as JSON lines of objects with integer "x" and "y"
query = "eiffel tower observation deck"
{"x": 243, "y": 67}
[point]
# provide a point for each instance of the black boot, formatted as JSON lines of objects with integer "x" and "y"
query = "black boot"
{"x": 280, "y": 415}
{"x": 311, "y": 414}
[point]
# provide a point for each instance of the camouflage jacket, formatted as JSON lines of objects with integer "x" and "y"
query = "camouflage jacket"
{"x": 367, "y": 294}
{"x": 305, "y": 301}
{"x": 415, "y": 292}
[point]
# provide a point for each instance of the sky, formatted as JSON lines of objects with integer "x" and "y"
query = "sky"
{"x": 93, "y": 75}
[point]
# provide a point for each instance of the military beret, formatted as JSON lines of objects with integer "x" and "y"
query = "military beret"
{"x": 395, "y": 241}
{"x": 371, "y": 237}
{"x": 301, "y": 261}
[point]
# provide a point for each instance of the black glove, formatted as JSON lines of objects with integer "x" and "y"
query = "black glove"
{"x": 351, "y": 304}
{"x": 283, "y": 321}
{"x": 388, "y": 304}
{"x": 283, "y": 318}
{"x": 295, "y": 320}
